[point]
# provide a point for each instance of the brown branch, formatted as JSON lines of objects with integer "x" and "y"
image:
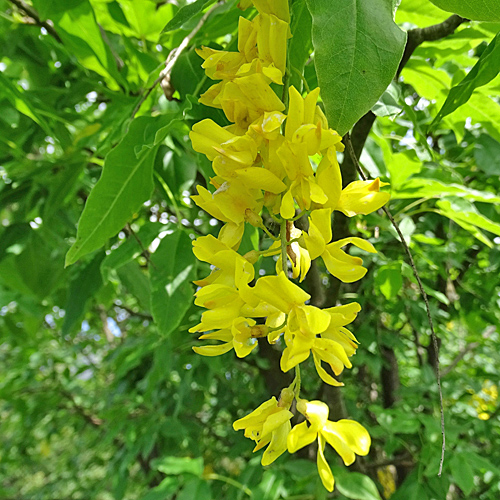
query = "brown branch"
{"x": 461, "y": 355}
{"x": 432, "y": 33}
{"x": 354, "y": 158}
{"x": 131, "y": 312}
{"x": 33, "y": 14}
{"x": 172, "y": 58}
{"x": 88, "y": 417}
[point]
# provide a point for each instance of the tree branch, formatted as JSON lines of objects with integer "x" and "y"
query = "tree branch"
{"x": 432, "y": 33}
{"x": 37, "y": 21}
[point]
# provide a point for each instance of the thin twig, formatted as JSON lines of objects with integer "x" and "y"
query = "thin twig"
{"x": 172, "y": 58}
{"x": 145, "y": 251}
{"x": 461, "y": 355}
{"x": 131, "y": 312}
{"x": 355, "y": 160}
{"x": 33, "y": 14}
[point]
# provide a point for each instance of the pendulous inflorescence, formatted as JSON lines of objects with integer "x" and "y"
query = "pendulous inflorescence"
{"x": 278, "y": 157}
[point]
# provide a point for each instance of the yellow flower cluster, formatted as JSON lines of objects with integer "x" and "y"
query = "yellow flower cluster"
{"x": 284, "y": 162}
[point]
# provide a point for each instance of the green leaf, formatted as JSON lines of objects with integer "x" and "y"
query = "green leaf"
{"x": 407, "y": 228}
{"x": 476, "y": 10}
{"x": 299, "y": 47}
{"x": 401, "y": 166}
{"x": 75, "y": 23}
{"x": 429, "y": 188}
{"x": 389, "y": 280}
{"x": 487, "y": 154}
{"x": 185, "y": 13}
{"x": 462, "y": 472}
{"x": 164, "y": 490}
{"x": 125, "y": 184}
{"x": 84, "y": 285}
{"x": 358, "y": 48}
{"x": 389, "y": 103}
{"x": 486, "y": 68}
{"x": 179, "y": 465}
{"x": 355, "y": 485}
{"x": 172, "y": 292}
{"x": 136, "y": 282}
{"x": 467, "y": 216}
{"x": 22, "y": 103}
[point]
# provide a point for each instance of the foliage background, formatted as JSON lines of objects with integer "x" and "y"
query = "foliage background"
{"x": 101, "y": 396}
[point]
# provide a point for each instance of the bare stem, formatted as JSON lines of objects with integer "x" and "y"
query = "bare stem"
{"x": 347, "y": 140}
{"x": 172, "y": 58}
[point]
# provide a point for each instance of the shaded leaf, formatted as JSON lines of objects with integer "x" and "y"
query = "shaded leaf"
{"x": 389, "y": 280}
{"x": 355, "y": 485}
{"x": 174, "y": 266}
{"x": 84, "y": 285}
{"x": 462, "y": 473}
{"x": 487, "y": 154}
{"x": 299, "y": 47}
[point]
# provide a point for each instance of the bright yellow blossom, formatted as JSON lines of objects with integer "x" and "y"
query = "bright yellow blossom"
{"x": 241, "y": 336}
{"x": 269, "y": 424}
{"x": 343, "y": 266}
{"x": 362, "y": 197}
{"x": 347, "y": 437}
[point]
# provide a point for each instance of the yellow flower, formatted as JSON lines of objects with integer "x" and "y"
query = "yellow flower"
{"x": 362, "y": 197}
{"x": 272, "y": 34}
{"x": 297, "y": 254}
{"x": 277, "y": 7}
{"x": 280, "y": 292}
{"x": 329, "y": 178}
{"x": 245, "y": 99}
{"x": 343, "y": 266}
{"x": 303, "y": 189}
{"x": 231, "y": 200}
{"x": 269, "y": 424}
{"x": 241, "y": 336}
{"x": 347, "y": 437}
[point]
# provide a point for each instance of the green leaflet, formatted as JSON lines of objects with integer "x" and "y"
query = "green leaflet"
{"x": 299, "y": 46}
{"x": 77, "y": 27}
{"x": 83, "y": 287}
{"x": 486, "y": 68}
{"x": 429, "y": 188}
{"x": 462, "y": 472}
{"x": 358, "y": 48}
{"x": 184, "y": 14}
{"x": 477, "y": 10}
{"x": 172, "y": 272}
{"x": 125, "y": 184}
{"x": 467, "y": 216}
{"x": 355, "y": 485}
{"x": 22, "y": 103}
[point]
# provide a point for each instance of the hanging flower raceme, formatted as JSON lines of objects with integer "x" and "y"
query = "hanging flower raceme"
{"x": 283, "y": 162}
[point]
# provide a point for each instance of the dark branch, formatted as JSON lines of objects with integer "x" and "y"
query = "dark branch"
{"x": 432, "y": 33}
{"x": 33, "y": 14}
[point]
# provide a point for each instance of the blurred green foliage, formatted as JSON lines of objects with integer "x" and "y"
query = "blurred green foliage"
{"x": 101, "y": 396}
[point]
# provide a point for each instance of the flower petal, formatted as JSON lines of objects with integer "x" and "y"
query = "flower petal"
{"x": 325, "y": 473}
{"x": 301, "y": 435}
